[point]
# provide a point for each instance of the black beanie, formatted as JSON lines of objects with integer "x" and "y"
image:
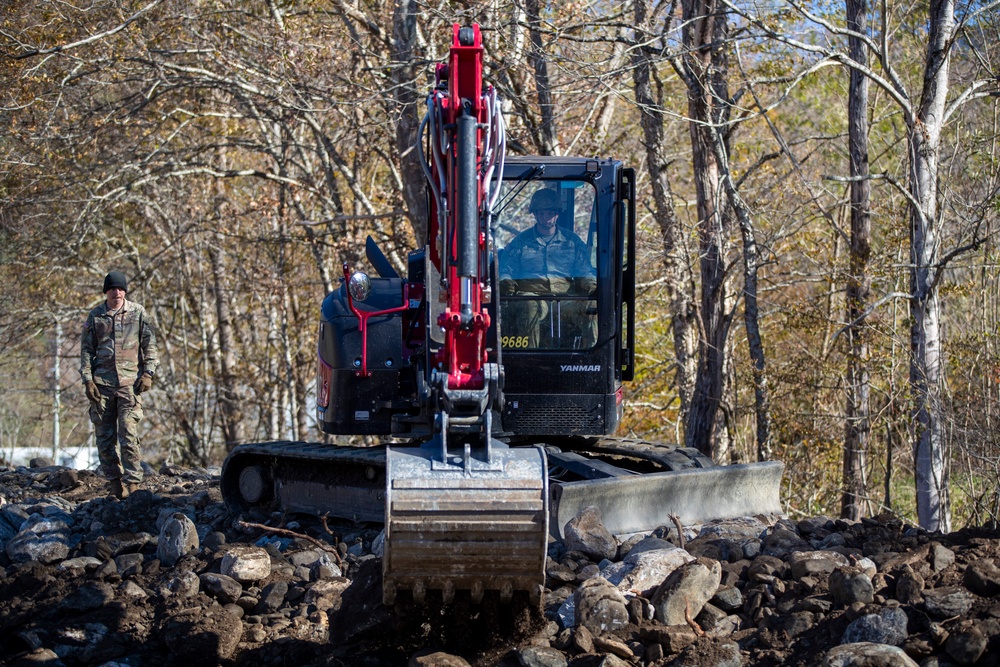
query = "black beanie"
{"x": 115, "y": 279}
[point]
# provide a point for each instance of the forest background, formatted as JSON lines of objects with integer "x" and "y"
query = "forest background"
{"x": 817, "y": 211}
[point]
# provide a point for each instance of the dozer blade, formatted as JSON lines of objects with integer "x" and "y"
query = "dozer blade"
{"x": 639, "y": 503}
{"x": 465, "y": 524}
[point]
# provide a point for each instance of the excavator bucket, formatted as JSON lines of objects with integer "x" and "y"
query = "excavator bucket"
{"x": 465, "y": 523}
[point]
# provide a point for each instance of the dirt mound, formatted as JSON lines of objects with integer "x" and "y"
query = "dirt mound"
{"x": 168, "y": 577}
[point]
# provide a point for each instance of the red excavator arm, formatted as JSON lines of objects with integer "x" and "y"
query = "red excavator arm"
{"x": 466, "y": 151}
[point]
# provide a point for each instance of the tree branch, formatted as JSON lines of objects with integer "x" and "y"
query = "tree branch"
{"x": 89, "y": 40}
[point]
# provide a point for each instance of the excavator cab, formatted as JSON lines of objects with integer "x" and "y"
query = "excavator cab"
{"x": 566, "y": 299}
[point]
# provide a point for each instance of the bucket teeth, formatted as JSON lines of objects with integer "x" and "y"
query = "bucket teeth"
{"x": 506, "y": 592}
{"x": 389, "y": 594}
{"x": 448, "y": 592}
{"x": 477, "y": 591}
{"x": 419, "y": 591}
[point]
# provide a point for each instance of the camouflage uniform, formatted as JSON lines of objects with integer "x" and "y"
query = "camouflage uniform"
{"x": 115, "y": 349}
{"x": 536, "y": 265}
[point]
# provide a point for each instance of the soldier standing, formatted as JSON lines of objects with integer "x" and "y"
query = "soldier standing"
{"x": 117, "y": 363}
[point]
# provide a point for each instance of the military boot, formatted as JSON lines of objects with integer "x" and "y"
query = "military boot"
{"x": 119, "y": 490}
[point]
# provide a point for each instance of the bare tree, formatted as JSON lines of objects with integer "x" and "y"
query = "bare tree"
{"x": 703, "y": 66}
{"x": 858, "y": 426}
{"x": 649, "y": 99}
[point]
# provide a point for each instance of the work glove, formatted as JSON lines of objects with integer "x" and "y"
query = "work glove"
{"x": 586, "y": 286}
{"x": 93, "y": 393}
{"x": 144, "y": 383}
{"x": 508, "y": 286}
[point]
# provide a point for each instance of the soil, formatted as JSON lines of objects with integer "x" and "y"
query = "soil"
{"x": 124, "y": 606}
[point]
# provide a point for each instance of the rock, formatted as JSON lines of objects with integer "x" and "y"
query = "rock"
{"x": 272, "y": 597}
{"x": 224, "y": 589}
{"x": 707, "y": 652}
{"x": 40, "y": 657}
{"x": 654, "y": 653}
{"x": 246, "y": 564}
{"x": 130, "y": 589}
{"x": 129, "y": 565}
{"x": 781, "y": 542}
{"x": 178, "y": 537}
{"x": 214, "y": 540}
{"x": 583, "y": 639}
{"x": 941, "y": 557}
{"x": 683, "y": 594}
{"x": 728, "y": 598}
{"x": 867, "y": 654}
{"x": 82, "y": 563}
{"x": 645, "y": 570}
{"x": 125, "y": 542}
{"x": 559, "y": 574}
{"x": 612, "y": 660}
{"x": 947, "y": 602}
{"x": 600, "y": 606}
{"x": 766, "y": 566}
{"x": 799, "y": 622}
{"x": 92, "y": 595}
{"x": 317, "y": 562}
{"x": 116, "y": 604}
{"x": 909, "y": 586}
{"x": 812, "y": 563}
{"x": 673, "y": 638}
{"x": 982, "y": 577}
{"x": 646, "y": 544}
{"x": 849, "y": 585}
{"x": 966, "y": 645}
{"x": 614, "y": 647}
{"x": 430, "y": 658}
{"x": 183, "y": 585}
{"x": 326, "y": 594}
{"x": 586, "y": 533}
{"x": 738, "y": 529}
{"x": 541, "y": 656}
{"x": 40, "y": 539}
{"x": 886, "y": 627}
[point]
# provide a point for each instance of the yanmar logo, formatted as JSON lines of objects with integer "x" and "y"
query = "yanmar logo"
{"x": 579, "y": 368}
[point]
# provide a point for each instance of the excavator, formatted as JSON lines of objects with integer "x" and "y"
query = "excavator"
{"x": 492, "y": 389}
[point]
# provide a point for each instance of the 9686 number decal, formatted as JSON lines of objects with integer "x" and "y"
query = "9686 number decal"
{"x": 514, "y": 342}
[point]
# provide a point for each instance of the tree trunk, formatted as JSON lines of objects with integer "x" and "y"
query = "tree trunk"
{"x": 858, "y": 426}
{"x": 548, "y": 144}
{"x": 751, "y": 315}
{"x": 230, "y": 408}
{"x": 924, "y": 140}
{"x": 405, "y": 63}
{"x": 705, "y": 78}
{"x": 682, "y": 310}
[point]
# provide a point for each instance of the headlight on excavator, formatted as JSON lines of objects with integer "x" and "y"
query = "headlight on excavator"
{"x": 359, "y": 285}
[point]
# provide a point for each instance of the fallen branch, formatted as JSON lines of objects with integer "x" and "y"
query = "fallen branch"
{"x": 690, "y": 621}
{"x": 680, "y": 529}
{"x": 291, "y": 533}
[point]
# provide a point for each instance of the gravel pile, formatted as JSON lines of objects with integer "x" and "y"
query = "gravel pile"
{"x": 168, "y": 577}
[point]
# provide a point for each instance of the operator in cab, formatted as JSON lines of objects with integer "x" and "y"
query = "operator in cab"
{"x": 547, "y": 260}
